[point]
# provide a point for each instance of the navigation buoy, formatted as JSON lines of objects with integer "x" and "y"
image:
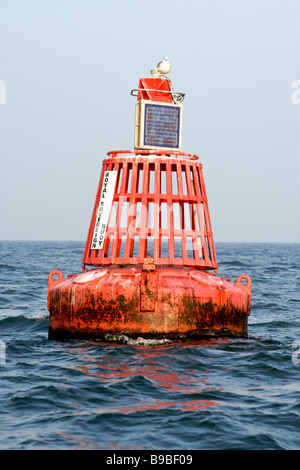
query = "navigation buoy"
{"x": 149, "y": 264}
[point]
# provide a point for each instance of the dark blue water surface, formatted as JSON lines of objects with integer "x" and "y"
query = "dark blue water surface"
{"x": 209, "y": 394}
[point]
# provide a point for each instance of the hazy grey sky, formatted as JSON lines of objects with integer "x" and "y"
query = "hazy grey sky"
{"x": 67, "y": 69}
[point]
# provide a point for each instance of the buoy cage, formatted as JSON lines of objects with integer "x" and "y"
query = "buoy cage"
{"x": 149, "y": 275}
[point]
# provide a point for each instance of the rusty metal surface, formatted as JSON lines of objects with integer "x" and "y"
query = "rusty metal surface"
{"x": 167, "y": 302}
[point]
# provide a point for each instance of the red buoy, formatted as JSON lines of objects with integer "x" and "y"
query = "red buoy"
{"x": 150, "y": 243}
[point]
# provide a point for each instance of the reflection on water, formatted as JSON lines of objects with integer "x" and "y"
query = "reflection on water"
{"x": 79, "y": 443}
{"x": 159, "y": 367}
{"x": 191, "y": 405}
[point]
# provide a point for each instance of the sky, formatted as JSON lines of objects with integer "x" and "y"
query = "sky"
{"x": 67, "y": 68}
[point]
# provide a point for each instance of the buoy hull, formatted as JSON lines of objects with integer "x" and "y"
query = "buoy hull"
{"x": 169, "y": 302}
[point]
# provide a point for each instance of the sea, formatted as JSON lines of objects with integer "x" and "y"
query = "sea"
{"x": 140, "y": 395}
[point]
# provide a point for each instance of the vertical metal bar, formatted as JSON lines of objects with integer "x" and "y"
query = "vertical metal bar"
{"x": 144, "y": 213}
{"x": 116, "y": 244}
{"x": 180, "y": 196}
{"x": 128, "y": 252}
{"x": 182, "y": 216}
{"x": 179, "y": 181}
{"x": 170, "y": 213}
{"x": 157, "y": 192}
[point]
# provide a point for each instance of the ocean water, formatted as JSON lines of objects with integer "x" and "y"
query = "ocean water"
{"x": 212, "y": 394}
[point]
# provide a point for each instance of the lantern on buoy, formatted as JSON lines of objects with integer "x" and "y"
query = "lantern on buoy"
{"x": 149, "y": 264}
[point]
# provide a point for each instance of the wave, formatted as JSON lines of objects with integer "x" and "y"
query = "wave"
{"x": 140, "y": 341}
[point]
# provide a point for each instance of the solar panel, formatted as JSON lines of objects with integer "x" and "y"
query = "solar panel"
{"x": 158, "y": 125}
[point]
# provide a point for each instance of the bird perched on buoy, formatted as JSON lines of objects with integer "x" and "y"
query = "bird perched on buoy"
{"x": 162, "y": 68}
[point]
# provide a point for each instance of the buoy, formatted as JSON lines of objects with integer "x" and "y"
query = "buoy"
{"x": 149, "y": 264}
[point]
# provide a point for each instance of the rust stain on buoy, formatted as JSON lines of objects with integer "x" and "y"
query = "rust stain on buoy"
{"x": 168, "y": 302}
